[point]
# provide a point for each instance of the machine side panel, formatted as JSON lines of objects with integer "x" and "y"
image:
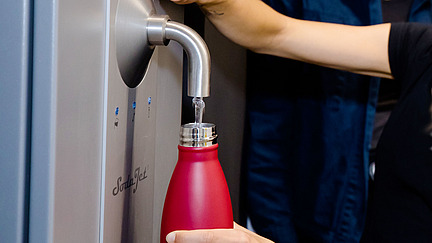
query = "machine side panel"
{"x": 68, "y": 79}
{"x": 79, "y": 115}
{"x": 15, "y": 69}
{"x": 43, "y": 122}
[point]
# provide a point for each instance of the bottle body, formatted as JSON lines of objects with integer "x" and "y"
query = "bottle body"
{"x": 198, "y": 195}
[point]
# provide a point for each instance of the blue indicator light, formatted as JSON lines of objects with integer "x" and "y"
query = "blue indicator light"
{"x": 134, "y": 105}
{"x": 116, "y": 111}
{"x": 149, "y": 100}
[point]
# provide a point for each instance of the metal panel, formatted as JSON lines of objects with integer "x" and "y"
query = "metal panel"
{"x": 128, "y": 175}
{"x": 15, "y": 51}
{"x": 68, "y": 80}
{"x": 129, "y": 169}
{"x": 43, "y": 123}
{"x": 131, "y": 147}
{"x": 79, "y": 116}
{"x": 92, "y": 136}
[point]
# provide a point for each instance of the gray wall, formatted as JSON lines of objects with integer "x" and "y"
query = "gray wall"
{"x": 226, "y": 104}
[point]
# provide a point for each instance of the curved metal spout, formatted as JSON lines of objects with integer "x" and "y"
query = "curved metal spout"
{"x": 160, "y": 30}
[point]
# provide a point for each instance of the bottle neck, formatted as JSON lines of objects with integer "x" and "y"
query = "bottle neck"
{"x": 198, "y": 154}
{"x": 194, "y": 135}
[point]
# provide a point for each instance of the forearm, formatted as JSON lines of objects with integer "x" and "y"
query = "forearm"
{"x": 236, "y": 235}
{"x": 256, "y": 26}
{"x": 249, "y": 23}
{"x": 358, "y": 49}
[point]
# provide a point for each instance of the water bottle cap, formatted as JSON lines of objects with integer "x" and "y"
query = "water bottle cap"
{"x": 192, "y": 135}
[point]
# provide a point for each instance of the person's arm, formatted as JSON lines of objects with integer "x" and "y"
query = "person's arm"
{"x": 256, "y": 26}
{"x": 236, "y": 235}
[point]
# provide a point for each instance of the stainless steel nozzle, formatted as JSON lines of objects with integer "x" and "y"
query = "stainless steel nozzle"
{"x": 160, "y": 30}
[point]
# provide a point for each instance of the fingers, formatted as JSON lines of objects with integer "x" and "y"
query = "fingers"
{"x": 239, "y": 227}
{"x": 208, "y": 236}
{"x": 199, "y": 2}
{"x": 182, "y": 2}
{"x": 190, "y": 236}
{"x": 257, "y": 237}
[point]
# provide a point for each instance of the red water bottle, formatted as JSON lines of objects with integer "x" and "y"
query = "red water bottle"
{"x": 197, "y": 196}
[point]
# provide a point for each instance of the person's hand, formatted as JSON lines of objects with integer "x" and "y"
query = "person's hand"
{"x": 236, "y": 235}
{"x": 184, "y": 1}
{"x": 199, "y": 2}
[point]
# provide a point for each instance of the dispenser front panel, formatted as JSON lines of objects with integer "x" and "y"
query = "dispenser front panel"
{"x": 130, "y": 212}
{"x": 130, "y": 145}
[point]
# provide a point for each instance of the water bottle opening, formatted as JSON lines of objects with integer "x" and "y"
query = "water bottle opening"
{"x": 198, "y": 135}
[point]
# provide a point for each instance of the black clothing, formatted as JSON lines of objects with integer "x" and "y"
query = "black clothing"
{"x": 401, "y": 207}
{"x": 395, "y": 10}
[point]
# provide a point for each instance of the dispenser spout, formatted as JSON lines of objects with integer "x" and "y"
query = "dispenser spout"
{"x": 160, "y": 30}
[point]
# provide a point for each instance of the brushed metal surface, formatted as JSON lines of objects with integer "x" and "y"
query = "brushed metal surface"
{"x": 132, "y": 48}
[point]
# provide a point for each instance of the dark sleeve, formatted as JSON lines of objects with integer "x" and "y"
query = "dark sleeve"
{"x": 410, "y": 47}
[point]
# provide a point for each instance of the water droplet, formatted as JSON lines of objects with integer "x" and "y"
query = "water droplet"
{"x": 199, "y": 105}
